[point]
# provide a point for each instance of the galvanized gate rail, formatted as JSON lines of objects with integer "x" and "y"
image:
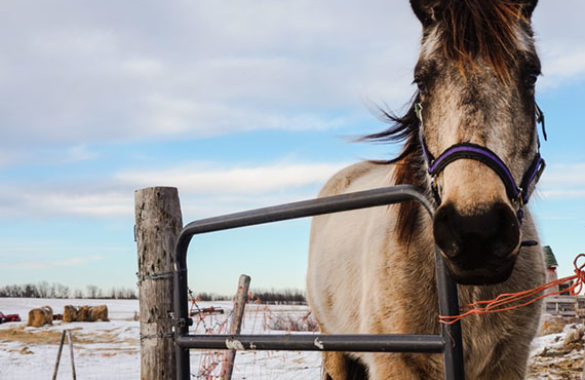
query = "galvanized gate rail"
{"x": 448, "y": 342}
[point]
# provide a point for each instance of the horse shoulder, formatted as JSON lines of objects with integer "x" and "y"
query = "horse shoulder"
{"x": 339, "y": 241}
{"x": 359, "y": 176}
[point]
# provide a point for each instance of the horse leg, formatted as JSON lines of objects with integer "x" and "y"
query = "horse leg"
{"x": 391, "y": 366}
{"x": 335, "y": 366}
{"x": 339, "y": 366}
{"x": 507, "y": 362}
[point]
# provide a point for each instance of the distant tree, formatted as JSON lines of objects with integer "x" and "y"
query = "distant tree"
{"x": 78, "y": 294}
{"x": 130, "y": 294}
{"x": 62, "y": 291}
{"x": 43, "y": 289}
{"x": 287, "y": 296}
{"x": 31, "y": 291}
{"x": 56, "y": 290}
{"x": 92, "y": 291}
{"x": 53, "y": 291}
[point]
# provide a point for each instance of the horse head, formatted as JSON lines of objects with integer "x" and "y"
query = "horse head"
{"x": 476, "y": 75}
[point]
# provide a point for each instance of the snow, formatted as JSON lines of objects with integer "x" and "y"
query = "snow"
{"x": 111, "y": 350}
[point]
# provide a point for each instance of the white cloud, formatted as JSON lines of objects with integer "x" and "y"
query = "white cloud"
{"x": 212, "y": 189}
{"x": 562, "y": 194}
{"x": 174, "y": 116}
{"x": 79, "y": 152}
{"x": 143, "y": 67}
{"x": 561, "y": 41}
{"x": 568, "y": 65}
{"x": 563, "y": 181}
{"x": 194, "y": 179}
{"x": 564, "y": 66}
{"x": 73, "y": 74}
{"x": 209, "y": 189}
{"x": 44, "y": 265}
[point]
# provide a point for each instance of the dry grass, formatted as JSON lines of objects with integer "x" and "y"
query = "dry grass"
{"x": 292, "y": 322}
{"x": 569, "y": 369}
{"x": 53, "y": 336}
{"x": 561, "y": 361}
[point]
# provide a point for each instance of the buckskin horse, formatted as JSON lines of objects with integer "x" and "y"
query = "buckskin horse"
{"x": 471, "y": 141}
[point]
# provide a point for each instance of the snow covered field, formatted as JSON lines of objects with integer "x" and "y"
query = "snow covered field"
{"x": 111, "y": 350}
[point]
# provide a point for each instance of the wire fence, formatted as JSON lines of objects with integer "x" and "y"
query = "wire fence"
{"x": 258, "y": 319}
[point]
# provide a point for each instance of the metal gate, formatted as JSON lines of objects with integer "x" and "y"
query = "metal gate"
{"x": 448, "y": 342}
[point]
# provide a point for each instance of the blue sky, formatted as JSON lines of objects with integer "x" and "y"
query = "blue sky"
{"x": 238, "y": 104}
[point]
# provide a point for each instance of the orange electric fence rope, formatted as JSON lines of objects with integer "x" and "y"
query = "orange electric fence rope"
{"x": 503, "y": 301}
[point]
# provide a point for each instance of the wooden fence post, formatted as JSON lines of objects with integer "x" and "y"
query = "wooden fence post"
{"x": 236, "y": 323}
{"x": 158, "y": 224}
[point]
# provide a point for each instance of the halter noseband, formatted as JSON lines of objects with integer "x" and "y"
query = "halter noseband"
{"x": 517, "y": 194}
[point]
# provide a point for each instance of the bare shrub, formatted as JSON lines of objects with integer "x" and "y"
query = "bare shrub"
{"x": 292, "y": 322}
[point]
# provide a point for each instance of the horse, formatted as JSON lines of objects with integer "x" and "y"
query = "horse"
{"x": 471, "y": 143}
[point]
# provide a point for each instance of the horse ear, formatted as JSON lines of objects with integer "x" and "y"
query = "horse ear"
{"x": 529, "y": 8}
{"x": 424, "y": 10}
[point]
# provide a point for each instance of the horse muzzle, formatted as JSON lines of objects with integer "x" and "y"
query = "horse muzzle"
{"x": 479, "y": 248}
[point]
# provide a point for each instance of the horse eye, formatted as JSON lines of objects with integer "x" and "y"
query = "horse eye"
{"x": 422, "y": 87}
{"x": 531, "y": 79}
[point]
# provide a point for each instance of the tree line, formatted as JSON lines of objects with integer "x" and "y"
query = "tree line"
{"x": 275, "y": 297}
{"x": 56, "y": 290}
{"x": 287, "y": 296}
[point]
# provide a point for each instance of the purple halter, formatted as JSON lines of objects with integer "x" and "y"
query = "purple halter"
{"x": 517, "y": 194}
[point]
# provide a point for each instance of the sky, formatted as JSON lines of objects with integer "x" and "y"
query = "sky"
{"x": 239, "y": 104}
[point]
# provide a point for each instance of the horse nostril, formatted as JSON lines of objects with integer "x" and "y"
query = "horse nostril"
{"x": 488, "y": 234}
{"x": 444, "y": 226}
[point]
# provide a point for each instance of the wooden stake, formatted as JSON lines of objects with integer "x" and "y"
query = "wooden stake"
{"x": 59, "y": 355}
{"x": 236, "y": 323}
{"x": 71, "y": 354}
{"x": 158, "y": 223}
{"x": 68, "y": 332}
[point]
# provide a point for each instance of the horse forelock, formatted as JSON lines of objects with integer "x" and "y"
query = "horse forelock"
{"x": 494, "y": 31}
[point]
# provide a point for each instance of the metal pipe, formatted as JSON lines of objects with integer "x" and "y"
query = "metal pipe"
{"x": 318, "y": 342}
{"x": 449, "y": 305}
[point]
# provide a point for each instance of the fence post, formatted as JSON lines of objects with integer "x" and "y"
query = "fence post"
{"x": 158, "y": 223}
{"x": 236, "y": 323}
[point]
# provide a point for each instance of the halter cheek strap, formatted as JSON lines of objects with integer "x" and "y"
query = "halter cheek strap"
{"x": 519, "y": 194}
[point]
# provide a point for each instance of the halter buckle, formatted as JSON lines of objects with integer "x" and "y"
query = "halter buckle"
{"x": 520, "y": 198}
{"x": 435, "y": 189}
